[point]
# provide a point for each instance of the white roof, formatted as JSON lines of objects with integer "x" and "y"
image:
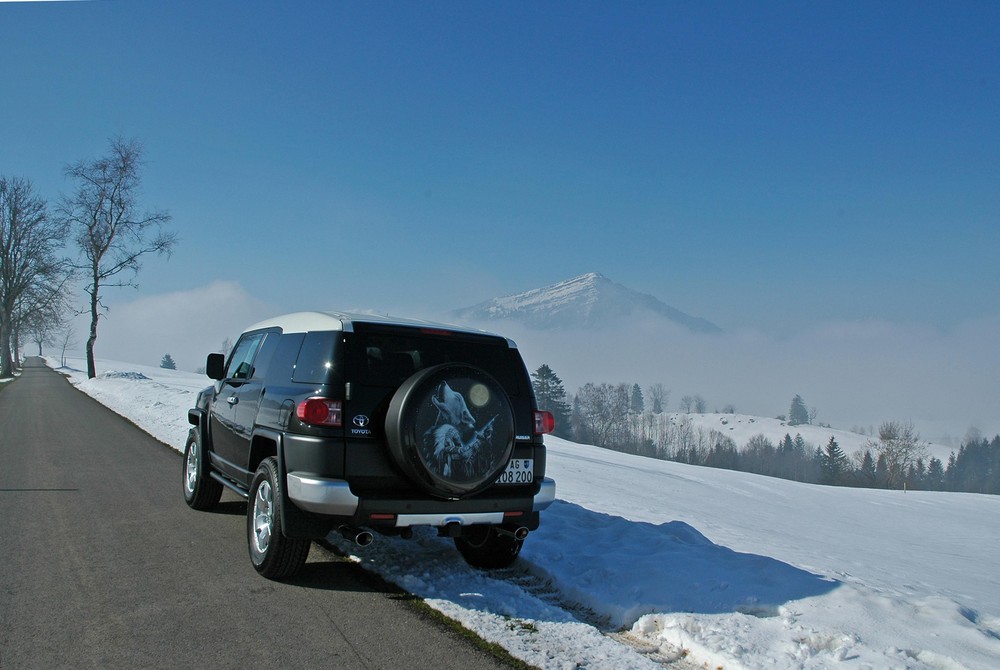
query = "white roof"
{"x": 304, "y": 322}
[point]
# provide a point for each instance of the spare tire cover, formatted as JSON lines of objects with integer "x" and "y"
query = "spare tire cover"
{"x": 450, "y": 428}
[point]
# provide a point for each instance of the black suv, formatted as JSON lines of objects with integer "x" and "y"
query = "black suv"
{"x": 355, "y": 423}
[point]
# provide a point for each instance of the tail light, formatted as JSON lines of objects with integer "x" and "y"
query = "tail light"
{"x": 320, "y": 412}
{"x": 545, "y": 423}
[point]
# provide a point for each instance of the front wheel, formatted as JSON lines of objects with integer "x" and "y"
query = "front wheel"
{"x": 201, "y": 492}
{"x": 273, "y": 555}
{"x": 486, "y": 547}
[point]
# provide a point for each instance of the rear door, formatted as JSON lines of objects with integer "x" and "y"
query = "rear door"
{"x": 380, "y": 358}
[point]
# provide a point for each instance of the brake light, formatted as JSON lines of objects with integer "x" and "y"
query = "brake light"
{"x": 545, "y": 423}
{"x": 320, "y": 412}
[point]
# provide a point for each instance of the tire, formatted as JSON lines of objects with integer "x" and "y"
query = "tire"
{"x": 273, "y": 555}
{"x": 450, "y": 429}
{"x": 485, "y": 547}
{"x": 201, "y": 492}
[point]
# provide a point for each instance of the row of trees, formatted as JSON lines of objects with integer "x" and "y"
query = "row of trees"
{"x": 112, "y": 234}
{"x": 896, "y": 460}
{"x": 614, "y": 417}
{"x": 604, "y": 413}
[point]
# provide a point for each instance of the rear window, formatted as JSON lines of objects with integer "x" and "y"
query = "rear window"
{"x": 383, "y": 357}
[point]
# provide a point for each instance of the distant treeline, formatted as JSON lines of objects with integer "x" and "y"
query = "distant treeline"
{"x": 615, "y": 417}
{"x": 975, "y": 468}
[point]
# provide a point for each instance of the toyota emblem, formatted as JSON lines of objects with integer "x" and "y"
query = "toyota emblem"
{"x": 360, "y": 421}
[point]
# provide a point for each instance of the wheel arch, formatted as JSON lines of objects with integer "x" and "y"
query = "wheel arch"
{"x": 265, "y": 443}
{"x": 198, "y": 418}
{"x": 295, "y": 522}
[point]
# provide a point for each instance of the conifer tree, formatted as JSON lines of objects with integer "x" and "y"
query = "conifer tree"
{"x": 638, "y": 403}
{"x": 167, "y": 362}
{"x": 935, "y": 475}
{"x": 866, "y": 473}
{"x": 799, "y": 413}
{"x": 881, "y": 472}
{"x": 835, "y": 463}
{"x": 551, "y": 397}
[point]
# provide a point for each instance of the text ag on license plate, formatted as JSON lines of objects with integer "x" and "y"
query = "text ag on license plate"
{"x": 519, "y": 471}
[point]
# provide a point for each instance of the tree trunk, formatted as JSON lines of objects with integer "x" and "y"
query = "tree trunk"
{"x": 15, "y": 351}
{"x": 6, "y": 366}
{"x": 94, "y": 314}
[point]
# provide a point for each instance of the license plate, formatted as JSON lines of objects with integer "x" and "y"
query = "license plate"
{"x": 519, "y": 471}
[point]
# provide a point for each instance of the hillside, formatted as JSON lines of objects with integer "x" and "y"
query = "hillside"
{"x": 741, "y": 427}
{"x": 591, "y": 301}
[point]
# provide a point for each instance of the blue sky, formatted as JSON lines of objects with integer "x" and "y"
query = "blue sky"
{"x": 763, "y": 165}
{"x": 820, "y": 179}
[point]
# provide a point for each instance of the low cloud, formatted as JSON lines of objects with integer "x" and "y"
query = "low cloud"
{"x": 853, "y": 373}
{"x": 186, "y": 324}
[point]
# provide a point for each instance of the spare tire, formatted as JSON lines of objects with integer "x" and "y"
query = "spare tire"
{"x": 450, "y": 428}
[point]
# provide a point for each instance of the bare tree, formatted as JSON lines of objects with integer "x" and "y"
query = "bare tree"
{"x": 899, "y": 444}
{"x": 603, "y": 414}
{"x": 112, "y": 232}
{"x": 41, "y": 314}
{"x": 43, "y": 308}
{"x": 67, "y": 339}
{"x": 658, "y": 397}
{"x": 813, "y": 413}
{"x": 686, "y": 403}
{"x": 29, "y": 268}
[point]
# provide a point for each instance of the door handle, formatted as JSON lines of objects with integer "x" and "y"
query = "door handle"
{"x": 232, "y": 400}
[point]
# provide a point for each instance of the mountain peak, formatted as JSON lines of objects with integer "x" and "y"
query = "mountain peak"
{"x": 589, "y": 301}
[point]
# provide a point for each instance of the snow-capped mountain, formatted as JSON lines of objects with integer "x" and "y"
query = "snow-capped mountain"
{"x": 590, "y": 300}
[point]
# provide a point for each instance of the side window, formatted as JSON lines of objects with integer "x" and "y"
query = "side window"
{"x": 265, "y": 355}
{"x": 283, "y": 361}
{"x": 241, "y": 362}
{"x": 317, "y": 362}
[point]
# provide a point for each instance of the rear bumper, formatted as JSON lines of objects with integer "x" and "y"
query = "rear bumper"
{"x": 545, "y": 496}
{"x": 330, "y": 497}
{"x": 333, "y": 497}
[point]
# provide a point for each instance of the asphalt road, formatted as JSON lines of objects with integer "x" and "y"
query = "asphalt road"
{"x": 102, "y": 565}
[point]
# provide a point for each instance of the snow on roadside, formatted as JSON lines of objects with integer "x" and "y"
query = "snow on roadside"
{"x": 736, "y": 570}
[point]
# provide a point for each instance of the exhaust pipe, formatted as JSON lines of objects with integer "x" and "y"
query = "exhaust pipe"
{"x": 362, "y": 538}
{"x": 518, "y": 534}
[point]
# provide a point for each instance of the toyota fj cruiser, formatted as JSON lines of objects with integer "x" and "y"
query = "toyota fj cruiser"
{"x": 331, "y": 422}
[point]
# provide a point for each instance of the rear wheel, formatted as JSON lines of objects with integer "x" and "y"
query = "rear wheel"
{"x": 273, "y": 555}
{"x": 486, "y": 547}
{"x": 201, "y": 492}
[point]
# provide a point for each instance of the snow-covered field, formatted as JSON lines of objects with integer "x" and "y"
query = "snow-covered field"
{"x": 642, "y": 563}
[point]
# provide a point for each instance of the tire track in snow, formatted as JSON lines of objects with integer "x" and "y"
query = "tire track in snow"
{"x": 664, "y": 654}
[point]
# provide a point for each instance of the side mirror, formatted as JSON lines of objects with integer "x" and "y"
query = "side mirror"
{"x": 215, "y": 366}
